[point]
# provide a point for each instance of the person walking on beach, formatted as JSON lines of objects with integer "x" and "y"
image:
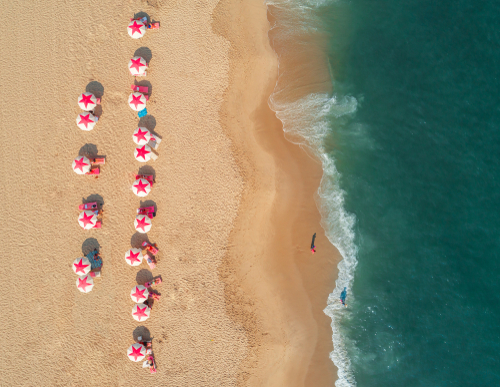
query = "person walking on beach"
{"x": 343, "y": 295}
{"x": 313, "y": 247}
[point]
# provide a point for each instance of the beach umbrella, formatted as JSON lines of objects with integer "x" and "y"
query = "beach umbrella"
{"x": 142, "y": 224}
{"x": 143, "y": 153}
{"x": 87, "y": 101}
{"x": 85, "y": 283}
{"x": 141, "y": 187}
{"x": 137, "y": 65}
{"x": 140, "y": 312}
{"x": 139, "y": 293}
{"x": 81, "y": 165}
{"x": 85, "y": 121}
{"x": 136, "y": 29}
{"x": 81, "y": 266}
{"x": 141, "y": 136}
{"x": 137, "y": 101}
{"x": 136, "y": 352}
{"x": 134, "y": 257}
{"x": 87, "y": 219}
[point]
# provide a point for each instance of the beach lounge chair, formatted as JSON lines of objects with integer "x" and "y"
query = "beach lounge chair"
{"x": 89, "y": 206}
{"x": 98, "y": 224}
{"x": 149, "y": 26}
{"x": 140, "y": 89}
{"x": 155, "y": 281}
{"x": 98, "y": 160}
{"x": 149, "y": 211}
{"x": 151, "y": 261}
{"x": 152, "y": 248}
{"x": 95, "y": 274}
{"x": 94, "y": 171}
{"x": 149, "y": 178}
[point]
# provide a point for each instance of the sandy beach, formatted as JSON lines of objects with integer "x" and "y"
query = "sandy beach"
{"x": 242, "y": 295}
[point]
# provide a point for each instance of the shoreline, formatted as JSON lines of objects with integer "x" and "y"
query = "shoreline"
{"x": 274, "y": 287}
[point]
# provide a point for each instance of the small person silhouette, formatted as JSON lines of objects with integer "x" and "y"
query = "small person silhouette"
{"x": 313, "y": 247}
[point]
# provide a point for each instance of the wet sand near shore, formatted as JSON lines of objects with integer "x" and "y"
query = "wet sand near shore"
{"x": 242, "y": 296}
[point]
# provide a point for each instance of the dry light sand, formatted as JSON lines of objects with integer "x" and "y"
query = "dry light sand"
{"x": 242, "y": 298}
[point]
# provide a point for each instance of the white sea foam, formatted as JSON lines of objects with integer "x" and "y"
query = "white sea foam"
{"x": 307, "y": 121}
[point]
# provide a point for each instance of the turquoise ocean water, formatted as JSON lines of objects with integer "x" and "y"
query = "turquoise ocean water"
{"x": 400, "y": 99}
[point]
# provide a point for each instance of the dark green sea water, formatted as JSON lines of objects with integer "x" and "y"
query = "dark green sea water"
{"x": 410, "y": 141}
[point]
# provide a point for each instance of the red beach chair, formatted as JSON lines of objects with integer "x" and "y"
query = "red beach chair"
{"x": 149, "y": 211}
{"x": 94, "y": 171}
{"x": 151, "y": 262}
{"x": 152, "y": 248}
{"x": 153, "y": 26}
{"x": 98, "y": 224}
{"x": 89, "y": 206}
{"x": 140, "y": 89}
{"x": 147, "y": 177}
{"x": 98, "y": 160}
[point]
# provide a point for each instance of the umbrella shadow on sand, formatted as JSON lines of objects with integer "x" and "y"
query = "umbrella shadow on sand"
{"x": 147, "y": 170}
{"x": 143, "y": 276}
{"x": 140, "y": 15}
{"x": 88, "y": 150}
{"x": 148, "y": 122}
{"x": 142, "y": 331}
{"x": 94, "y": 198}
{"x": 137, "y": 239}
{"x": 95, "y": 88}
{"x": 145, "y": 53}
{"x": 89, "y": 245}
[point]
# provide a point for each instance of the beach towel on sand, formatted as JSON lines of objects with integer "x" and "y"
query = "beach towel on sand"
{"x": 142, "y": 113}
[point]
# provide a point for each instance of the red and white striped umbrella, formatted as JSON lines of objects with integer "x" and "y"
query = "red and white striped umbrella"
{"x": 87, "y": 219}
{"x": 87, "y": 101}
{"x": 141, "y": 136}
{"x": 81, "y": 266}
{"x": 139, "y": 293}
{"x": 86, "y": 121}
{"x": 137, "y": 101}
{"x": 81, "y": 165}
{"x": 141, "y": 187}
{"x": 143, "y": 153}
{"x": 85, "y": 283}
{"x": 140, "y": 312}
{"x": 136, "y": 29}
{"x": 136, "y": 352}
{"x": 137, "y": 65}
{"x": 142, "y": 224}
{"x": 134, "y": 257}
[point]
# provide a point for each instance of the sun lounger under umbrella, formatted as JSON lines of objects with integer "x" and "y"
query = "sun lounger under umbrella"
{"x": 137, "y": 66}
{"x": 144, "y": 154}
{"x": 81, "y": 266}
{"x": 85, "y": 283}
{"x": 136, "y": 29}
{"x": 87, "y": 219}
{"x": 136, "y": 352}
{"x": 142, "y": 223}
{"x": 137, "y": 101}
{"x": 139, "y": 294}
{"x": 140, "y": 312}
{"x": 86, "y": 121}
{"x": 142, "y": 136}
{"x": 134, "y": 257}
{"x": 87, "y": 101}
{"x": 81, "y": 165}
{"x": 141, "y": 187}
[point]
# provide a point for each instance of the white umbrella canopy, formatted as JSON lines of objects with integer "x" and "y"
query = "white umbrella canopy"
{"x": 85, "y": 283}
{"x": 137, "y": 65}
{"x": 85, "y": 121}
{"x": 142, "y": 224}
{"x": 143, "y": 153}
{"x": 136, "y": 29}
{"x": 140, "y": 312}
{"x": 81, "y": 165}
{"x": 141, "y": 187}
{"x": 141, "y": 136}
{"x": 136, "y": 352}
{"x": 139, "y": 293}
{"x": 87, "y": 219}
{"x": 134, "y": 257}
{"x": 87, "y": 101}
{"x": 137, "y": 101}
{"x": 81, "y": 266}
